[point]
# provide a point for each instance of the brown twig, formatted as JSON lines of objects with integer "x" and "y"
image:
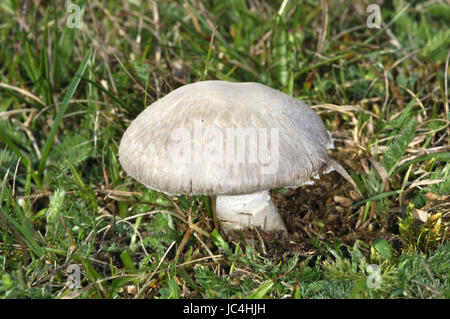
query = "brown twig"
{"x": 214, "y": 212}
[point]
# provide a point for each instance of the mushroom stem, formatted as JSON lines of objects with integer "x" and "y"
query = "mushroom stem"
{"x": 237, "y": 212}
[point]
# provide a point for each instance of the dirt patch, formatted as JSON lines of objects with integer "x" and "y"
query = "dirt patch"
{"x": 322, "y": 211}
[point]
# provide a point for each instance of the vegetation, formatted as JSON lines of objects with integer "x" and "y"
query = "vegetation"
{"x": 68, "y": 92}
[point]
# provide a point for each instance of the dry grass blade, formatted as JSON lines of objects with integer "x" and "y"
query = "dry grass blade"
{"x": 323, "y": 31}
{"x": 150, "y": 279}
{"x": 421, "y": 183}
{"x": 7, "y": 114}
{"x": 23, "y": 92}
{"x": 382, "y": 172}
{"x": 341, "y": 170}
{"x": 344, "y": 109}
{"x": 446, "y": 86}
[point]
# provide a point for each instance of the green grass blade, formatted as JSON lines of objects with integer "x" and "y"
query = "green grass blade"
{"x": 207, "y": 202}
{"x": 86, "y": 193}
{"x": 376, "y": 197}
{"x": 281, "y": 53}
{"x": 9, "y": 142}
{"x": 62, "y": 110}
{"x": 444, "y": 157}
{"x": 111, "y": 95}
{"x": 398, "y": 147}
{"x": 261, "y": 291}
{"x": 401, "y": 120}
{"x": 382, "y": 246}
{"x": 127, "y": 261}
{"x": 220, "y": 242}
{"x": 15, "y": 220}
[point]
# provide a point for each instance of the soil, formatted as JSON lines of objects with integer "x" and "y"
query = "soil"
{"x": 323, "y": 211}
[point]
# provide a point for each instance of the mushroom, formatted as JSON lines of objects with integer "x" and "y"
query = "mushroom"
{"x": 236, "y": 141}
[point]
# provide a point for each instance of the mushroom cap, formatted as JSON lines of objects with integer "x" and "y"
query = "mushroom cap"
{"x": 223, "y": 138}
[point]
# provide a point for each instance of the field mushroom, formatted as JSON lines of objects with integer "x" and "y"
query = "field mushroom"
{"x": 236, "y": 141}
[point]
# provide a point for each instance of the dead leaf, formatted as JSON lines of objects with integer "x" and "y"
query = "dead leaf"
{"x": 420, "y": 215}
{"x": 131, "y": 289}
{"x": 354, "y": 195}
{"x": 343, "y": 201}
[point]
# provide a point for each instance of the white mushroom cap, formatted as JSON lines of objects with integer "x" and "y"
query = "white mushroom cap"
{"x": 196, "y": 120}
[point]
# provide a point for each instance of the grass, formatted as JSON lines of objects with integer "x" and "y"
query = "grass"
{"x": 68, "y": 94}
